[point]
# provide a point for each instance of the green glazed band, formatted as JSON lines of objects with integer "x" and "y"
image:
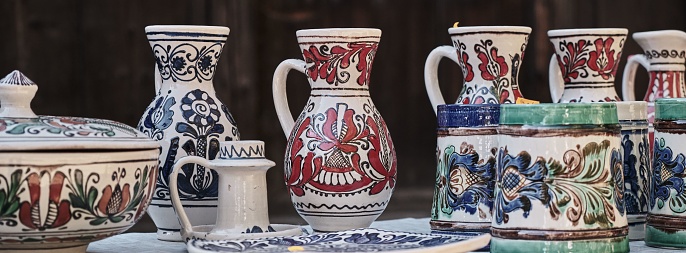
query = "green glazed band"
{"x": 559, "y": 114}
{"x": 616, "y": 244}
{"x": 670, "y": 109}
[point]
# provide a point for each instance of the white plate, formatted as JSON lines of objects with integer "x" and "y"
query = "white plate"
{"x": 358, "y": 240}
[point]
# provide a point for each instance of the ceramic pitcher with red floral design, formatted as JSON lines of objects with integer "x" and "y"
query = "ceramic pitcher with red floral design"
{"x": 584, "y": 65}
{"x": 665, "y": 53}
{"x": 340, "y": 164}
{"x": 489, "y": 56}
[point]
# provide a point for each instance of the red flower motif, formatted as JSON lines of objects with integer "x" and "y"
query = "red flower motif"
{"x": 381, "y": 164}
{"x": 325, "y": 63}
{"x": 340, "y": 138}
{"x": 492, "y": 66}
{"x": 603, "y": 60}
{"x": 467, "y": 71}
{"x": 114, "y": 201}
{"x": 58, "y": 212}
{"x": 573, "y": 62}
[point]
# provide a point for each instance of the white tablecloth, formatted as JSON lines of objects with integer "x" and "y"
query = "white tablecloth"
{"x": 148, "y": 243}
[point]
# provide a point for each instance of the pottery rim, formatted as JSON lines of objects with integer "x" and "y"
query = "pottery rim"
{"x": 346, "y": 32}
{"x": 632, "y": 110}
{"x": 188, "y": 28}
{"x": 486, "y": 29}
{"x": 652, "y": 34}
{"x": 588, "y": 32}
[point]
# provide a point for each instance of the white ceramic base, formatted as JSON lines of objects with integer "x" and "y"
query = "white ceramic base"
{"x": 171, "y": 236}
{"x": 202, "y": 232}
{"x": 200, "y": 212}
{"x": 72, "y": 249}
{"x": 328, "y": 224}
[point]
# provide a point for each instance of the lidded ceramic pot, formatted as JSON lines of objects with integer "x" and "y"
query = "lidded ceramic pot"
{"x": 67, "y": 181}
{"x": 466, "y": 149}
{"x": 559, "y": 181}
{"x": 666, "y": 220}
{"x": 635, "y": 150}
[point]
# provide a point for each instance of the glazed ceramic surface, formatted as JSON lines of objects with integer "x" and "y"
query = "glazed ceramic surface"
{"x": 340, "y": 164}
{"x": 665, "y": 53}
{"x": 559, "y": 180}
{"x": 188, "y": 119}
{"x": 67, "y": 181}
{"x": 665, "y": 225}
{"x": 242, "y": 170}
{"x": 585, "y": 63}
{"x": 490, "y": 57}
{"x": 466, "y": 150}
{"x": 636, "y": 166}
{"x": 358, "y": 240}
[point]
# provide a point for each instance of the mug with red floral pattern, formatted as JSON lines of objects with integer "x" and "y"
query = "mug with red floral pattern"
{"x": 489, "y": 57}
{"x": 584, "y": 65}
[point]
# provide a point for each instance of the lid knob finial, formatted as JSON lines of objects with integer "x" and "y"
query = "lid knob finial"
{"x": 16, "y": 93}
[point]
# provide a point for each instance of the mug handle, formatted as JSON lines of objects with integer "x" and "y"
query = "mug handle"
{"x": 186, "y": 226}
{"x": 279, "y": 92}
{"x": 431, "y": 73}
{"x": 628, "y": 92}
{"x": 555, "y": 80}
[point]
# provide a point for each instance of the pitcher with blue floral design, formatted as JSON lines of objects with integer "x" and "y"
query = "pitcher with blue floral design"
{"x": 188, "y": 119}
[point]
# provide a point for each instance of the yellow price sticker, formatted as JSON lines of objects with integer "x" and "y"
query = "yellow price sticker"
{"x": 296, "y": 248}
{"x": 526, "y": 101}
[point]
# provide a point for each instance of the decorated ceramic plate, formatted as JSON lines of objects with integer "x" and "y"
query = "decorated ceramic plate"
{"x": 358, "y": 240}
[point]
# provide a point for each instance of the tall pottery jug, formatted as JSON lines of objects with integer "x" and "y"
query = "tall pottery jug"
{"x": 340, "y": 164}
{"x": 188, "y": 119}
{"x": 584, "y": 65}
{"x": 665, "y": 53}
{"x": 490, "y": 57}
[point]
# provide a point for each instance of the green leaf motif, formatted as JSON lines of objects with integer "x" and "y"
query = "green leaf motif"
{"x": 98, "y": 221}
{"x": 678, "y": 203}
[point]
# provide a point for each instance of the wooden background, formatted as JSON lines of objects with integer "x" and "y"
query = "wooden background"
{"x": 92, "y": 59}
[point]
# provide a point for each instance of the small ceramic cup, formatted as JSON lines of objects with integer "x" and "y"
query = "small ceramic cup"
{"x": 636, "y": 166}
{"x": 559, "y": 181}
{"x": 666, "y": 221}
{"x": 466, "y": 154}
{"x": 585, "y": 63}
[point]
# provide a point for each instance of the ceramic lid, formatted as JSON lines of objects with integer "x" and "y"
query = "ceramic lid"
{"x": 632, "y": 110}
{"x": 670, "y": 109}
{"x": 547, "y": 114}
{"x": 21, "y": 129}
{"x": 459, "y": 115}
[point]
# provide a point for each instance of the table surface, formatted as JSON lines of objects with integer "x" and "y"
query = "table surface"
{"x": 148, "y": 243}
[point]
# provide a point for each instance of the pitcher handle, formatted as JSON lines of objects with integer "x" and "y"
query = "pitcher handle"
{"x": 279, "y": 92}
{"x": 431, "y": 73}
{"x": 555, "y": 80}
{"x": 628, "y": 92}
{"x": 186, "y": 226}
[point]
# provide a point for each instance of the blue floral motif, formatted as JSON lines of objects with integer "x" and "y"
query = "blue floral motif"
{"x": 158, "y": 118}
{"x": 205, "y": 63}
{"x": 178, "y": 63}
{"x": 635, "y": 197}
{"x": 199, "y": 108}
{"x": 187, "y": 62}
{"x": 667, "y": 178}
{"x": 582, "y": 188}
{"x": 463, "y": 181}
{"x": 360, "y": 240}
